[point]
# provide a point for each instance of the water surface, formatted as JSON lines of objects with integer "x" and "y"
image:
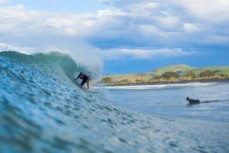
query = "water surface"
{"x": 170, "y": 100}
{"x": 43, "y": 110}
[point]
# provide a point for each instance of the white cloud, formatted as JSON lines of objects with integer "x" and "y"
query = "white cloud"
{"x": 42, "y": 31}
{"x": 9, "y": 47}
{"x": 215, "y": 40}
{"x": 213, "y": 11}
{"x": 150, "y": 30}
{"x": 168, "y": 19}
{"x": 147, "y": 23}
{"x": 4, "y": 1}
{"x": 137, "y": 21}
{"x": 17, "y": 20}
{"x": 190, "y": 27}
{"x": 123, "y": 53}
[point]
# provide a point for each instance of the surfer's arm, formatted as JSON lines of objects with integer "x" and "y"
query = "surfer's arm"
{"x": 88, "y": 85}
{"x": 76, "y": 78}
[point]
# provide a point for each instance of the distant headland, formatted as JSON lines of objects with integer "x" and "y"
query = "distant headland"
{"x": 170, "y": 75}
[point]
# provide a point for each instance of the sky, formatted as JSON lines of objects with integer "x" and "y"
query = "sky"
{"x": 120, "y": 36}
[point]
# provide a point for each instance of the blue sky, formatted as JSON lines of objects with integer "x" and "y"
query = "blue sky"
{"x": 74, "y": 6}
{"x": 120, "y": 36}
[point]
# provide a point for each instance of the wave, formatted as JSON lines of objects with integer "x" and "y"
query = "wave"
{"x": 41, "y": 112}
{"x": 57, "y": 65}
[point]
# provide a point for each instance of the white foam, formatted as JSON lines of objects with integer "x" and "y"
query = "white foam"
{"x": 143, "y": 87}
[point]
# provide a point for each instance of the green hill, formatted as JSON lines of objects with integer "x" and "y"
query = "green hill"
{"x": 173, "y": 68}
{"x": 182, "y": 68}
{"x": 172, "y": 73}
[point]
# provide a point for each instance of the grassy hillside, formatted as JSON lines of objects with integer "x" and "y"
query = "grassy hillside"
{"x": 173, "y": 68}
{"x": 173, "y": 73}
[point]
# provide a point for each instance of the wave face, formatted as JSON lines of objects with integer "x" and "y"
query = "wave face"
{"x": 54, "y": 64}
{"x": 42, "y": 110}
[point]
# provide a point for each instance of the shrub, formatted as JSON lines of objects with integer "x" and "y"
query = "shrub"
{"x": 223, "y": 75}
{"x": 139, "y": 80}
{"x": 158, "y": 77}
{"x": 123, "y": 81}
{"x": 206, "y": 73}
{"x": 169, "y": 75}
{"x": 190, "y": 75}
{"x": 106, "y": 80}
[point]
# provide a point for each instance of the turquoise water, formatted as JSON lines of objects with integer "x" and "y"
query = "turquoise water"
{"x": 43, "y": 110}
{"x": 170, "y": 100}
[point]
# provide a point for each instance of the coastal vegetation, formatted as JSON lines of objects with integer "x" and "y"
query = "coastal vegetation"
{"x": 170, "y": 74}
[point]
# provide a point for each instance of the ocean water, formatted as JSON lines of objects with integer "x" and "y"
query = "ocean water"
{"x": 170, "y": 100}
{"x": 43, "y": 110}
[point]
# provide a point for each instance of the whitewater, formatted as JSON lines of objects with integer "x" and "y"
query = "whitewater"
{"x": 43, "y": 110}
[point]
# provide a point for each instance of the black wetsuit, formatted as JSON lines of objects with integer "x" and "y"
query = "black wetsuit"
{"x": 84, "y": 78}
{"x": 193, "y": 101}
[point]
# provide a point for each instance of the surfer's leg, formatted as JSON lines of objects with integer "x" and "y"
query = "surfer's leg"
{"x": 83, "y": 82}
{"x": 88, "y": 85}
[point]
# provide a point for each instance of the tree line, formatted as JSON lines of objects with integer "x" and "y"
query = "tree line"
{"x": 168, "y": 77}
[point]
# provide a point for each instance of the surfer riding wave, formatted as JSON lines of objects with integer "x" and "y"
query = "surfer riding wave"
{"x": 85, "y": 79}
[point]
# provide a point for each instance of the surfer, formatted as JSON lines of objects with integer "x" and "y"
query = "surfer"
{"x": 197, "y": 101}
{"x": 85, "y": 79}
{"x": 192, "y": 101}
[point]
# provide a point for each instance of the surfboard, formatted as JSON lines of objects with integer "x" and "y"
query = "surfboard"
{"x": 83, "y": 88}
{"x": 88, "y": 90}
{"x": 92, "y": 91}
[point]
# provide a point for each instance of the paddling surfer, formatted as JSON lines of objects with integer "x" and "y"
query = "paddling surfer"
{"x": 192, "y": 101}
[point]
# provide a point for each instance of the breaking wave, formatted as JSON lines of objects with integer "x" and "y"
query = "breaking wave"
{"x": 43, "y": 110}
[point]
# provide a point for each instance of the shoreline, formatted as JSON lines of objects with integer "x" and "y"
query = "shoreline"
{"x": 171, "y": 82}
